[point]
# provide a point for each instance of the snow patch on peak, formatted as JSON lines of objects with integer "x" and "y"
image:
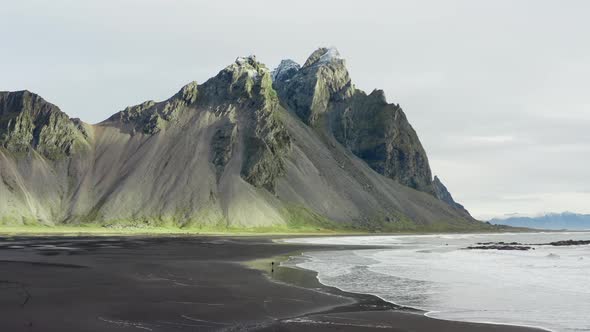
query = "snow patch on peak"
{"x": 330, "y": 55}
{"x": 324, "y": 56}
{"x": 285, "y": 70}
{"x": 252, "y": 73}
{"x": 246, "y": 60}
{"x": 250, "y": 66}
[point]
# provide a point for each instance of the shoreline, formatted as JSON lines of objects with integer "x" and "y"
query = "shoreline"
{"x": 364, "y": 302}
{"x": 170, "y": 283}
{"x": 101, "y": 230}
{"x": 454, "y": 299}
{"x": 497, "y": 323}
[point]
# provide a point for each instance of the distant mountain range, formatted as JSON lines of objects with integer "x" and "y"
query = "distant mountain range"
{"x": 565, "y": 220}
{"x": 248, "y": 148}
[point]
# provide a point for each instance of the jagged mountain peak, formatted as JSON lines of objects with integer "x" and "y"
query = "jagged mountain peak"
{"x": 309, "y": 90}
{"x": 30, "y": 123}
{"x": 246, "y": 78}
{"x": 189, "y": 92}
{"x": 21, "y": 93}
{"x": 379, "y": 94}
{"x": 19, "y": 101}
{"x": 247, "y": 65}
{"x": 321, "y": 93}
{"x": 329, "y": 67}
{"x": 13, "y": 103}
{"x": 285, "y": 70}
{"x": 326, "y": 67}
{"x": 247, "y": 60}
{"x": 324, "y": 55}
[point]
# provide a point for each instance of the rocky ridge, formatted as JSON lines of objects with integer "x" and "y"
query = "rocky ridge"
{"x": 29, "y": 123}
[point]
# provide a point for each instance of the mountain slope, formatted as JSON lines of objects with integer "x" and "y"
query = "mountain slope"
{"x": 234, "y": 152}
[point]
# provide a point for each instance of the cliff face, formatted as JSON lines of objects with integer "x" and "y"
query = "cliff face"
{"x": 238, "y": 151}
{"x": 322, "y": 95}
{"x": 27, "y": 123}
{"x": 309, "y": 91}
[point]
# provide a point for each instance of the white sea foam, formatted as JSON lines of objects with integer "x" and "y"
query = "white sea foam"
{"x": 547, "y": 287}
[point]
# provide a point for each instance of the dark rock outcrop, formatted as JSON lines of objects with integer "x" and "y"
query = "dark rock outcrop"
{"x": 28, "y": 122}
{"x": 380, "y": 134}
{"x": 246, "y": 88}
{"x": 501, "y": 247}
{"x": 569, "y": 243}
{"x": 322, "y": 95}
{"x": 309, "y": 91}
{"x": 285, "y": 71}
{"x": 525, "y": 246}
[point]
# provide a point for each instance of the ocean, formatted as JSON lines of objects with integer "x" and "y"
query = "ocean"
{"x": 548, "y": 287}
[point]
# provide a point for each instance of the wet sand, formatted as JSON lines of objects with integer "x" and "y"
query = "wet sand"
{"x": 183, "y": 284}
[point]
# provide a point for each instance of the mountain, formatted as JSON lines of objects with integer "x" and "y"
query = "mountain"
{"x": 249, "y": 148}
{"x": 322, "y": 95}
{"x": 564, "y": 220}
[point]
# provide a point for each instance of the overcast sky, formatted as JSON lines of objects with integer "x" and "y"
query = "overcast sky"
{"x": 498, "y": 91}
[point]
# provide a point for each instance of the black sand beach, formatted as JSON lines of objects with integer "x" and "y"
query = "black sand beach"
{"x": 182, "y": 284}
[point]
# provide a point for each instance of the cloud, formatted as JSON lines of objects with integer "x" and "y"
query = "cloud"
{"x": 492, "y": 139}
